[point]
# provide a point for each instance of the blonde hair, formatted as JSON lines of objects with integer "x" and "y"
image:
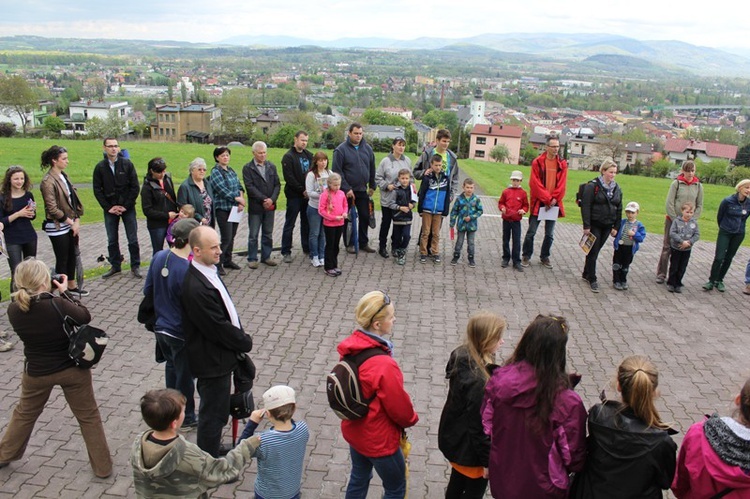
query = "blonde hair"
{"x": 189, "y": 210}
{"x": 30, "y": 276}
{"x": 483, "y": 331}
{"x": 371, "y": 308}
{"x": 607, "y": 164}
{"x": 333, "y": 178}
{"x": 638, "y": 380}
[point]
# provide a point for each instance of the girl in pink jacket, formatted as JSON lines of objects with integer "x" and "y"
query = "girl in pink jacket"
{"x": 714, "y": 460}
{"x": 333, "y": 207}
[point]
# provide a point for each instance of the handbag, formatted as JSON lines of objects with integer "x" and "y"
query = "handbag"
{"x": 241, "y": 403}
{"x": 87, "y": 343}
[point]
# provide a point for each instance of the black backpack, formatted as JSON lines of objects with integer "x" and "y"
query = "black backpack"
{"x": 582, "y": 187}
{"x": 344, "y": 389}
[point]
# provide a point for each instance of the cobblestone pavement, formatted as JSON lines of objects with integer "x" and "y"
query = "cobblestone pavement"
{"x": 699, "y": 340}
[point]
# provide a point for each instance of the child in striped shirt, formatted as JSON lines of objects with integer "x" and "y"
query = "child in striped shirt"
{"x": 281, "y": 454}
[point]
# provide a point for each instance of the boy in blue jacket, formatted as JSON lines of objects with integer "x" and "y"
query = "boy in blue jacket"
{"x": 433, "y": 205}
{"x": 629, "y": 236}
{"x": 466, "y": 210}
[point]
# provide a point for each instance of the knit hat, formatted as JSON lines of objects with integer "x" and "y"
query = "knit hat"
{"x": 516, "y": 175}
{"x": 742, "y": 183}
{"x": 277, "y": 396}
{"x": 182, "y": 228}
{"x": 633, "y": 206}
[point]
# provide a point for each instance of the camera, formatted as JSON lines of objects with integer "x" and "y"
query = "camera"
{"x": 57, "y": 278}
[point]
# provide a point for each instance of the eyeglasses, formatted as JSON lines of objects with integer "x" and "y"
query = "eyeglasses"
{"x": 386, "y": 302}
{"x": 114, "y": 146}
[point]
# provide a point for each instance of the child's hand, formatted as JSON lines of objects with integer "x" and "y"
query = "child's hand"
{"x": 405, "y": 209}
{"x": 503, "y": 210}
{"x": 521, "y": 212}
{"x": 631, "y": 233}
{"x": 257, "y": 415}
{"x": 467, "y": 219}
{"x": 685, "y": 245}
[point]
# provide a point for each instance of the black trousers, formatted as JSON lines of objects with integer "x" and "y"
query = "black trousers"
{"x": 213, "y": 412}
{"x": 621, "y": 261}
{"x": 227, "y": 230}
{"x": 462, "y": 487}
{"x": 602, "y": 233}
{"x": 333, "y": 238}
{"x": 678, "y": 262}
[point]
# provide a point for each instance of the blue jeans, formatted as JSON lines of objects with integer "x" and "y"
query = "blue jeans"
{"x": 213, "y": 412}
{"x": 391, "y": 470}
{"x": 469, "y": 235}
{"x": 157, "y": 238}
{"x": 317, "y": 235}
{"x": 747, "y": 273}
{"x": 256, "y": 222}
{"x": 549, "y": 236}
{"x": 512, "y": 230}
{"x": 294, "y": 207}
{"x": 177, "y": 371}
{"x": 112, "y": 226}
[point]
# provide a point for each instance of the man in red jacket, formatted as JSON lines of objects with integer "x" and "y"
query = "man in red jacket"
{"x": 549, "y": 174}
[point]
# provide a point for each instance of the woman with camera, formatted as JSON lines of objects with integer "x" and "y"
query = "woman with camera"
{"x": 36, "y": 320}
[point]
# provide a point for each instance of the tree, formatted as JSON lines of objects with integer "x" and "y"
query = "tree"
{"x": 283, "y": 137}
{"x": 235, "y": 114}
{"x": 303, "y": 121}
{"x": 53, "y": 124}
{"x": 7, "y": 129}
{"x": 440, "y": 119}
{"x": 743, "y": 156}
{"x": 183, "y": 92}
{"x": 500, "y": 153}
{"x": 17, "y": 97}
{"x": 112, "y": 126}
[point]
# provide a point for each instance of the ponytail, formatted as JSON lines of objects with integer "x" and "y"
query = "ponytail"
{"x": 638, "y": 380}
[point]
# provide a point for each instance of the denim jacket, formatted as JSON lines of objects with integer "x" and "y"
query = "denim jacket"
{"x": 733, "y": 214}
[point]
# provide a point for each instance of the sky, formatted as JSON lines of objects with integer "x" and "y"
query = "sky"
{"x": 716, "y": 24}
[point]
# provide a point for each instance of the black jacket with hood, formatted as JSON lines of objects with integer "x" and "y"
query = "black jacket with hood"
{"x": 625, "y": 458}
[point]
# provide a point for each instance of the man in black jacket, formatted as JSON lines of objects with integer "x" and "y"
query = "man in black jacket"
{"x": 294, "y": 166}
{"x": 354, "y": 160}
{"x": 116, "y": 189}
{"x": 213, "y": 334}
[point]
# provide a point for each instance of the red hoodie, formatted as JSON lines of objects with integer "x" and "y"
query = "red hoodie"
{"x": 378, "y": 434}
{"x": 513, "y": 199}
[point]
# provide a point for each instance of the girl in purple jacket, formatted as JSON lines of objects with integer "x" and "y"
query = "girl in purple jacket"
{"x": 536, "y": 422}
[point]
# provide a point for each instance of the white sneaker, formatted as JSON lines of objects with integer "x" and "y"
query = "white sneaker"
{"x": 3, "y": 334}
{"x": 315, "y": 261}
{"x": 5, "y": 346}
{"x": 321, "y": 262}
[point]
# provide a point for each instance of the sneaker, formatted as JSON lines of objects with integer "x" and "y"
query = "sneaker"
{"x": 3, "y": 334}
{"x": 422, "y": 258}
{"x": 287, "y": 258}
{"x": 708, "y": 286}
{"x": 525, "y": 262}
{"x": 231, "y": 265}
{"x": 253, "y": 265}
{"x": 136, "y": 272}
{"x": 678, "y": 289}
{"x": 518, "y": 267}
{"x": 220, "y": 270}
{"x": 331, "y": 273}
{"x": 624, "y": 286}
{"x": 746, "y": 290}
{"x": 78, "y": 291}
{"x": 367, "y": 249}
{"x": 337, "y": 270}
{"x": 401, "y": 260}
{"x": 617, "y": 286}
{"x": 454, "y": 261}
{"x": 594, "y": 286}
{"x": 270, "y": 262}
{"x": 350, "y": 250}
{"x": 505, "y": 264}
{"x": 321, "y": 261}
{"x": 5, "y": 346}
{"x": 112, "y": 271}
{"x": 660, "y": 279}
{"x": 546, "y": 263}
{"x": 188, "y": 425}
{"x": 670, "y": 288}
{"x": 394, "y": 253}
{"x": 436, "y": 259}
{"x": 720, "y": 286}
{"x": 315, "y": 262}
{"x": 383, "y": 252}
{"x": 472, "y": 263}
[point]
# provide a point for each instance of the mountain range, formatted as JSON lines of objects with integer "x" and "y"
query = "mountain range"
{"x": 674, "y": 55}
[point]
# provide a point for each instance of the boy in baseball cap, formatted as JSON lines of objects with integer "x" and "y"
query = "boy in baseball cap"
{"x": 631, "y": 234}
{"x": 281, "y": 455}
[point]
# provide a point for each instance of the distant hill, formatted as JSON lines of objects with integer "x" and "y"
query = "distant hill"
{"x": 574, "y": 53}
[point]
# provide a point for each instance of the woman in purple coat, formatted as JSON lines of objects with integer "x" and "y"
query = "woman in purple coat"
{"x": 536, "y": 422}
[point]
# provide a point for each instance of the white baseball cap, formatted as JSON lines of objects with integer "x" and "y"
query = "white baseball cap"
{"x": 633, "y": 206}
{"x": 277, "y": 396}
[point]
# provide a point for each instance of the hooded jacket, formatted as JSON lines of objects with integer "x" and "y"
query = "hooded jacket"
{"x": 378, "y": 434}
{"x": 158, "y": 201}
{"x": 626, "y": 458}
{"x": 638, "y": 237}
{"x": 387, "y": 174}
{"x": 539, "y": 193}
{"x": 181, "y": 469}
{"x": 356, "y": 165}
{"x": 461, "y": 438}
{"x": 598, "y": 208}
{"x": 680, "y": 191}
{"x": 713, "y": 458}
{"x": 525, "y": 462}
{"x": 434, "y": 194}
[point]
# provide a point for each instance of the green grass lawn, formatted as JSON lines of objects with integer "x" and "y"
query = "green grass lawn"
{"x": 649, "y": 193}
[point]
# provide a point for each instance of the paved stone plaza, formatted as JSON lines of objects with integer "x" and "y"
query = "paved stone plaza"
{"x": 297, "y": 315}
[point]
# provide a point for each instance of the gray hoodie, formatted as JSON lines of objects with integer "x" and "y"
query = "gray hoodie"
{"x": 387, "y": 174}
